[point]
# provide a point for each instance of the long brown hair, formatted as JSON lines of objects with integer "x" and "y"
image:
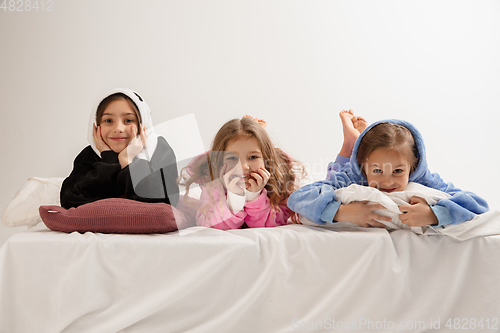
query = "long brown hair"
{"x": 391, "y": 137}
{"x": 284, "y": 170}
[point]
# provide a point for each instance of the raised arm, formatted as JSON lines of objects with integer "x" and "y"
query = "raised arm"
{"x": 155, "y": 180}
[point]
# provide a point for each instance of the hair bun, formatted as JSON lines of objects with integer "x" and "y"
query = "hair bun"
{"x": 261, "y": 122}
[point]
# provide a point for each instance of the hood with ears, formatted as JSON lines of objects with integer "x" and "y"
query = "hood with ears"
{"x": 147, "y": 122}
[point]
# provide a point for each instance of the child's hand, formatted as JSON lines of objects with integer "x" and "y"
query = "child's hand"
{"x": 259, "y": 180}
{"x": 232, "y": 181}
{"x": 417, "y": 213}
{"x": 134, "y": 147}
{"x": 99, "y": 142}
{"x": 359, "y": 212}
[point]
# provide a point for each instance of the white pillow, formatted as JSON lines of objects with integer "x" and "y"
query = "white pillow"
{"x": 36, "y": 192}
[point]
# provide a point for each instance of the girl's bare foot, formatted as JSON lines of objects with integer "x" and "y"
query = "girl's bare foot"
{"x": 352, "y": 126}
{"x": 350, "y": 132}
{"x": 359, "y": 123}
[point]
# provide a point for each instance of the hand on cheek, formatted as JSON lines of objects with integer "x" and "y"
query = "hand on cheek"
{"x": 99, "y": 141}
{"x": 259, "y": 180}
{"x": 134, "y": 147}
{"x": 232, "y": 181}
{"x": 418, "y": 213}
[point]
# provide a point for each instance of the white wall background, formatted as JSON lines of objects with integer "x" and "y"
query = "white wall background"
{"x": 294, "y": 63}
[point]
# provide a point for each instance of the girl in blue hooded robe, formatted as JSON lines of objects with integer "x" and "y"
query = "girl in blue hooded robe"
{"x": 388, "y": 162}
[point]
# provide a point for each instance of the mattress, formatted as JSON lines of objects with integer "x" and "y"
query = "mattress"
{"x": 283, "y": 279}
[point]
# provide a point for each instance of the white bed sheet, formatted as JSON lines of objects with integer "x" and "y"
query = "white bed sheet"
{"x": 284, "y": 279}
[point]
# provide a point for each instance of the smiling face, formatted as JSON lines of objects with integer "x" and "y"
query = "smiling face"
{"x": 245, "y": 155}
{"x": 117, "y": 123}
{"x": 387, "y": 170}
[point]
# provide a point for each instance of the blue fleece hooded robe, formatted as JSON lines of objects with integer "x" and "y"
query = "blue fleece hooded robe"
{"x": 317, "y": 201}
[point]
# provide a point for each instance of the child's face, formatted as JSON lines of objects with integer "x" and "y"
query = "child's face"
{"x": 387, "y": 170}
{"x": 245, "y": 156}
{"x": 117, "y": 124}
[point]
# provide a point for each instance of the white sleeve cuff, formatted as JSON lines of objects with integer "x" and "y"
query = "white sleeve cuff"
{"x": 235, "y": 202}
{"x": 251, "y": 196}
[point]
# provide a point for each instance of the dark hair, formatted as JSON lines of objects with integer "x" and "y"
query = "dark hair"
{"x": 391, "y": 137}
{"x": 115, "y": 97}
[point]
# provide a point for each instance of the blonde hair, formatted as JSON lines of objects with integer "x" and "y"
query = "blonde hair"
{"x": 284, "y": 170}
{"x": 391, "y": 137}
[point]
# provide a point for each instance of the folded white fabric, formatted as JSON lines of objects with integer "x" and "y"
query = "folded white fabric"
{"x": 487, "y": 224}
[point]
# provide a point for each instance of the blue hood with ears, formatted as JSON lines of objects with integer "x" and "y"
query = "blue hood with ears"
{"x": 421, "y": 169}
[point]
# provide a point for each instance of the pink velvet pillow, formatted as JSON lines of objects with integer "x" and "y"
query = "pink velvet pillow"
{"x": 115, "y": 215}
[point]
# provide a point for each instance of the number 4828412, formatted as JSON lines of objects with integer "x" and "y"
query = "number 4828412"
{"x": 472, "y": 323}
{"x": 27, "y": 5}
